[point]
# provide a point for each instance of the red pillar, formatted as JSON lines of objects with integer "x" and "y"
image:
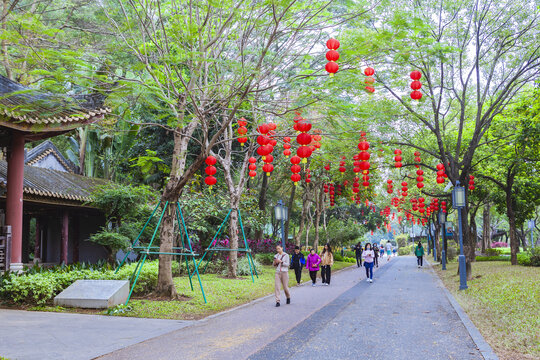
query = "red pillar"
{"x": 65, "y": 237}
{"x": 14, "y": 198}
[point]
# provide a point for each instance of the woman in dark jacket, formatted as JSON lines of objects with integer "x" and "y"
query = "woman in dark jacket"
{"x": 358, "y": 253}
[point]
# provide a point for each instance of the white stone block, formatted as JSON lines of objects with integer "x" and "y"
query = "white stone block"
{"x": 94, "y": 294}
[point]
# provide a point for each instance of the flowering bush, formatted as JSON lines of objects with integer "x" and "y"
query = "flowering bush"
{"x": 499, "y": 244}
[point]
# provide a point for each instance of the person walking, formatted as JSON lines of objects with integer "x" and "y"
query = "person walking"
{"x": 297, "y": 263}
{"x": 419, "y": 252}
{"x": 376, "y": 251}
{"x": 327, "y": 260}
{"x": 388, "y": 251}
{"x": 358, "y": 253}
{"x": 369, "y": 257}
{"x": 312, "y": 264}
{"x": 281, "y": 262}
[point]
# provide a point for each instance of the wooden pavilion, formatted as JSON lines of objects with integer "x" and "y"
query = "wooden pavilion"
{"x": 28, "y": 115}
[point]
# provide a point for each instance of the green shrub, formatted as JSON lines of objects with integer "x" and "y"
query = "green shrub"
{"x": 451, "y": 253}
{"x": 266, "y": 259}
{"x": 404, "y": 250}
{"x": 493, "y": 258}
{"x": 530, "y": 257}
{"x": 244, "y": 269}
{"x": 493, "y": 252}
{"x": 524, "y": 259}
{"x": 39, "y": 288}
{"x": 350, "y": 254}
{"x": 338, "y": 257}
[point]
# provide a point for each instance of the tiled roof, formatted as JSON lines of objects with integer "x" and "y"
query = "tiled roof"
{"x": 49, "y": 183}
{"x": 34, "y": 155}
{"x": 23, "y": 105}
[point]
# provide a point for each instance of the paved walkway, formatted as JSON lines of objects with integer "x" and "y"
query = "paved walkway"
{"x": 403, "y": 314}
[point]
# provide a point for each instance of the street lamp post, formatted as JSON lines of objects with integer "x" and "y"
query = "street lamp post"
{"x": 282, "y": 214}
{"x": 442, "y": 221}
{"x": 458, "y": 202}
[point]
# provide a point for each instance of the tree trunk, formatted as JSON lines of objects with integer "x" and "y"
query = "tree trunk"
{"x": 290, "y": 206}
{"x": 514, "y": 243}
{"x": 468, "y": 247}
{"x": 486, "y": 227}
{"x": 83, "y": 138}
{"x": 233, "y": 239}
{"x": 4, "y": 43}
{"x": 259, "y": 234}
{"x": 474, "y": 230}
{"x": 437, "y": 242}
{"x": 305, "y": 207}
{"x": 165, "y": 285}
{"x": 320, "y": 209}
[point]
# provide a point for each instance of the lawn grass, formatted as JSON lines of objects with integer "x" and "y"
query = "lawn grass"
{"x": 221, "y": 294}
{"x": 503, "y": 301}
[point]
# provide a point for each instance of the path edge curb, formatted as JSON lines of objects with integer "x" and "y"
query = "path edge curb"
{"x": 484, "y": 348}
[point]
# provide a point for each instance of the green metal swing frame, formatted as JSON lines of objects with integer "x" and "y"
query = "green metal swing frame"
{"x": 145, "y": 251}
{"x": 213, "y": 247}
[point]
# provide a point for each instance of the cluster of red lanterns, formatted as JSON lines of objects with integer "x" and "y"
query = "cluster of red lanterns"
{"x": 419, "y": 172}
{"x": 210, "y": 171}
{"x": 434, "y": 205}
{"x": 303, "y": 139}
{"x": 295, "y": 169}
{"x": 419, "y": 205}
{"x": 440, "y": 174}
{"x": 308, "y": 176}
{"x": 443, "y": 206}
{"x": 390, "y": 186}
{"x": 404, "y": 188}
{"x": 332, "y": 192}
{"x": 369, "y": 81}
{"x": 356, "y": 185}
{"x": 362, "y": 163}
{"x": 252, "y": 167}
{"x": 242, "y": 131}
{"x": 266, "y": 143}
{"x": 471, "y": 183}
{"x": 398, "y": 158}
{"x": 342, "y": 167}
{"x": 286, "y": 146}
{"x": 416, "y": 85}
{"x": 332, "y": 56}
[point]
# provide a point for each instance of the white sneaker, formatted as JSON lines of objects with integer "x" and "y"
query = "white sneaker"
{"x": 370, "y": 280}
{"x": 313, "y": 285}
{"x": 367, "y": 280}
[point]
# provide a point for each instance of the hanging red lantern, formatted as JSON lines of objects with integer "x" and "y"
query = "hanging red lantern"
{"x": 303, "y": 138}
{"x": 287, "y": 152}
{"x": 416, "y": 95}
{"x": 268, "y": 168}
{"x": 331, "y": 68}
{"x": 210, "y": 160}
{"x": 332, "y": 55}
{"x": 296, "y": 160}
{"x": 242, "y": 140}
{"x": 296, "y": 168}
{"x": 210, "y": 170}
{"x": 369, "y": 80}
{"x": 332, "y": 44}
{"x": 363, "y": 145}
{"x": 416, "y": 85}
{"x": 268, "y": 158}
{"x": 369, "y": 71}
{"x": 296, "y": 178}
{"x": 304, "y": 152}
{"x": 370, "y": 89}
{"x": 210, "y": 181}
{"x": 252, "y": 173}
{"x": 416, "y": 75}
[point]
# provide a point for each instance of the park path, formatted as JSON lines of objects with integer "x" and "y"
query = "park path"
{"x": 239, "y": 333}
{"x": 403, "y": 314}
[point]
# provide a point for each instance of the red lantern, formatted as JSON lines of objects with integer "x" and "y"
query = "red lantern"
{"x": 420, "y": 185}
{"x": 370, "y": 89}
{"x": 332, "y": 55}
{"x": 242, "y": 140}
{"x": 263, "y": 129}
{"x": 440, "y": 180}
{"x": 363, "y": 145}
{"x": 331, "y": 68}
{"x": 303, "y": 138}
{"x": 210, "y": 170}
{"x": 416, "y": 75}
{"x": 263, "y": 140}
{"x": 268, "y": 168}
{"x": 295, "y": 160}
{"x": 332, "y": 44}
{"x": 252, "y": 160}
{"x": 242, "y": 122}
{"x": 296, "y": 168}
{"x": 369, "y": 71}
{"x": 416, "y": 85}
{"x": 210, "y": 180}
{"x": 252, "y": 174}
{"x": 268, "y": 158}
{"x": 304, "y": 152}
{"x": 296, "y": 178}
{"x": 364, "y": 156}
{"x": 416, "y": 95}
{"x": 369, "y": 80}
{"x": 210, "y": 160}
{"x": 287, "y": 152}
{"x": 397, "y": 152}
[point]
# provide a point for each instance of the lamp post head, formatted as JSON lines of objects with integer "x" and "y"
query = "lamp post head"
{"x": 459, "y": 199}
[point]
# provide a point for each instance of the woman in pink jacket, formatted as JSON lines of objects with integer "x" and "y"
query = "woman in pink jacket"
{"x": 312, "y": 264}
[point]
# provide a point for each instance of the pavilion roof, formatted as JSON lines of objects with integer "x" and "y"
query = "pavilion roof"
{"x": 54, "y": 184}
{"x": 32, "y": 110}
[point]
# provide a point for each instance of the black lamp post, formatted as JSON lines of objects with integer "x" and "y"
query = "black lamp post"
{"x": 442, "y": 221}
{"x": 459, "y": 201}
{"x": 282, "y": 214}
